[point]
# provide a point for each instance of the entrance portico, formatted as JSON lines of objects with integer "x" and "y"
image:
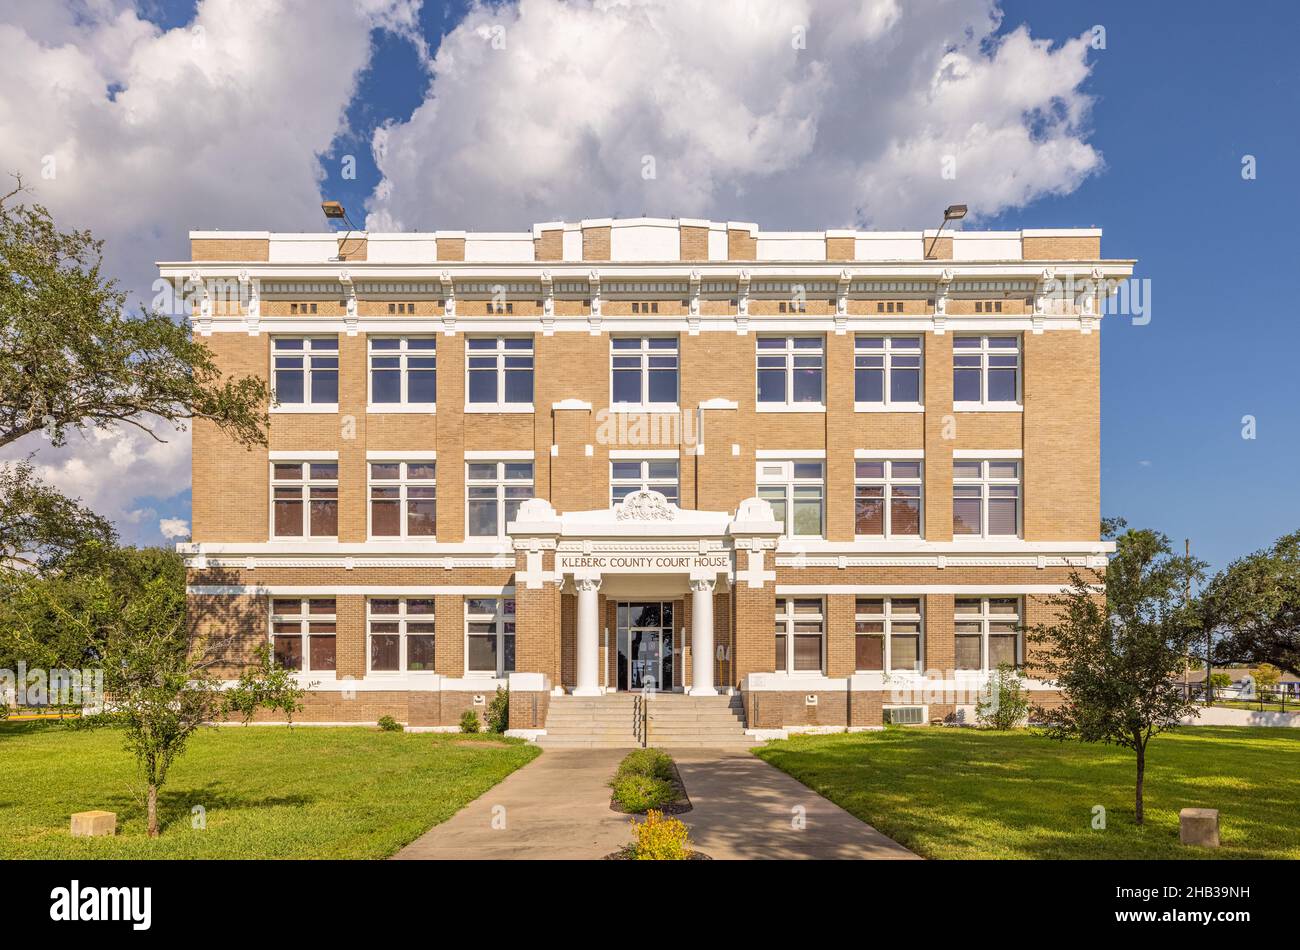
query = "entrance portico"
{"x": 645, "y": 556}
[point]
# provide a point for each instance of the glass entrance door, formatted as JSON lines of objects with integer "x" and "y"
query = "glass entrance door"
{"x": 645, "y": 646}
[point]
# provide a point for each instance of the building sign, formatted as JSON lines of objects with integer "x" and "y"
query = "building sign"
{"x": 633, "y": 563}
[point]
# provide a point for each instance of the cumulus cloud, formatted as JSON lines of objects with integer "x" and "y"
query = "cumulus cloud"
{"x": 792, "y": 113}
{"x": 174, "y": 528}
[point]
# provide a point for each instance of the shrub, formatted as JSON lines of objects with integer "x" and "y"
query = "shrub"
{"x": 469, "y": 721}
{"x": 498, "y": 711}
{"x": 1007, "y": 702}
{"x": 389, "y": 724}
{"x": 638, "y": 793}
{"x": 660, "y": 839}
{"x": 648, "y": 762}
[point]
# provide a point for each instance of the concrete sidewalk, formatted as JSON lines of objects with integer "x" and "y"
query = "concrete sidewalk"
{"x": 557, "y": 807}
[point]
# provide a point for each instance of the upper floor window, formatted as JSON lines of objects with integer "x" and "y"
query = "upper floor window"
{"x": 630, "y": 475}
{"x": 800, "y": 631}
{"x": 495, "y": 490}
{"x": 643, "y": 370}
{"x": 403, "y": 499}
{"x": 987, "y": 633}
{"x": 490, "y": 635}
{"x": 305, "y": 370}
{"x": 403, "y": 371}
{"x": 500, "y": 372}
{"x": 888, "y": 633}
{"x": 303, "y": 633}
{"x": 796, "y": 491}
{"x": 305, "y": 499}
{"x": 887, "y": 498}
{"x": 986, "y": 497}
{"x": 400, "y": 635}
{"x": 887, "y": 370}
{"x": 791, "y": 371}
{"x": 985, "y": 370}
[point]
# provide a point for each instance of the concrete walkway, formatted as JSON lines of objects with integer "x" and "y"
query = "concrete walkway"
{"x": 557, "y": 807}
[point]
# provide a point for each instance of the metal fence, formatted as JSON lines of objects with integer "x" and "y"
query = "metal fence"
{"x": 1234, "y": 697}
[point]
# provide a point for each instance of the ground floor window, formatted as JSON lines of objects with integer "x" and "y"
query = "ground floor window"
{"x": 800, "y": 631}
{"x": 490, "y": 635}
{"x": 988, "y": 633}
{"x": 400, "y": 635}
{"x": 888, "y": 633}
{"x": 303, "y": 633}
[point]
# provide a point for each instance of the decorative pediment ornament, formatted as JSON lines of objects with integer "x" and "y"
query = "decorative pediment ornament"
{"x": 645, "y": 506}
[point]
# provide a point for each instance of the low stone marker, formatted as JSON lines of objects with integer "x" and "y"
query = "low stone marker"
{"x": 92, "y": 824}
{"x": 1199, "y": 826}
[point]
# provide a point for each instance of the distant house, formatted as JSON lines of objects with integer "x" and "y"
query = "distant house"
{"x": 1243, "y": 683}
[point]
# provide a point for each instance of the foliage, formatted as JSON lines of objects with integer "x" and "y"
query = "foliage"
{"x": 1266, "y": 677}
{"x": 1220, "y": 680}
{"x": 498, "y": 711}
{"x": 389, "y": 724}
{"x": 39, "y": 526}
{"x": 1116, "y": 656}
{"x": 660, "y": 839}
{"x": 1254, "y": 605}
{"x": 1007, "y": 703}
{"x": 469, "y": 721}
{"x": 652, "y": 762}
{"x": 263, "y": 684}
{"x": 645, "y": 779}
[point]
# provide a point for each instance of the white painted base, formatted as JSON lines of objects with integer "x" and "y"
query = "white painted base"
{"x": 531, "y": 735}
{"x": 701, "y": 691}
{"x": 432, "y": 729}
{"x": 587, "y": 691}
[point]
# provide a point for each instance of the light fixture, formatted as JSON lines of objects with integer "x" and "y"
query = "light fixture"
{"x": 334, "y": 211}
{"x": 950, "y": 213}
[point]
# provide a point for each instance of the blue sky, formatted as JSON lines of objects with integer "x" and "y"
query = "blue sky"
{"x": 1177, "y": 102}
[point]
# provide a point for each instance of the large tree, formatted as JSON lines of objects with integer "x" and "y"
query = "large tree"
{"x": 1254, "y": 604}
{"x": 1116, "y": 647}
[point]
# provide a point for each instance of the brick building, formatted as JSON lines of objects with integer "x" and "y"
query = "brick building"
{"x": 826, "y": 473}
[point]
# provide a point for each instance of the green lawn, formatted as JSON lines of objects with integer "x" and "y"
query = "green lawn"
{"x": 964, "y": 793}
{"x": 306, "y": 792}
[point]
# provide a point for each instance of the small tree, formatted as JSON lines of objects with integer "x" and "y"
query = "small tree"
{"x": 1006, "y": 703}
{"x": 1117, "y": 656}
{"x": 1266, "y": 679}
{"x": 498, "y": 711}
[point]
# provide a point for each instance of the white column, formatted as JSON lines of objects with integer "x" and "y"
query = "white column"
{"x": 702, "y": 637}
{"x": 588, "y": 636}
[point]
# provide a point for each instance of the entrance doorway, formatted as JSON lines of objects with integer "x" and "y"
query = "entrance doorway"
{"x": 645, "y": 645}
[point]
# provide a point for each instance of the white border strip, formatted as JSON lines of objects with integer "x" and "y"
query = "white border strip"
{"x": 617, "y": 454}
{"x": 399, "y": 456}
{"x": 378, "y": 590}
{"x": 304, "y": 456}
{"x": 797, "y": 590}
{"x": 783, "y": 454}
{"x": 889, "y": 453}
{"x": 988, "y": 453}
{"x": 521, "y": 455}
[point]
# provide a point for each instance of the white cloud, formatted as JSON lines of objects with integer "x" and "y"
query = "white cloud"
{"x": 174, "y": 528}
{"x": 742, "y": 124}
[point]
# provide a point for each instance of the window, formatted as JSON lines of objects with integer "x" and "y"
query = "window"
{"x": 645, "y": 306}
{"x": 643, "y": 370}
{"x": 403, "y": 371}
{"x": 500, "y": 371}
{"x": 305, "y": 499}
{"x": 988, "y": 306}
{"x": 403, "y": 499}
{"x": 629, "y": 475}
{"x": 399, "y": 635}
{"x": 985, "y": 369}
{"x": 305, "y": 370}
{"x": 987, "y": 632}
{"x": 887, "y": 498}
{"x": 800, "y": 625}
{"x": 887, "y": 370}
{"x": 303, "y": 631}
{"x": 888, "y": 633}
{"x": 402, "y": 308}
{"x": 297, "y": 308}
{"x": 796, "y": 491}
{"x": 986, "y": 498}
{"x": 790, "y": 371}
{"x": 495, "y": 490}
{"x": 889, "y": 306}
{"x": 490, "y": 635}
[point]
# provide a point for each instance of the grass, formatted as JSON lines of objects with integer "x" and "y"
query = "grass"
{"x": 964, "y": 793}
{"x": 645, "y": 779}
{"x": 267, "y": 792}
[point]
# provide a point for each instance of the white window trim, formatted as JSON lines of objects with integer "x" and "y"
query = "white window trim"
{"x": 888, "y": 482}
{"x": 984, "y": 618}
{"x": 499, "y": 620}
{"x": 303, "y": 618}
{"x": 887, "y": 352}
{"x": 304, "y": 485}
{"x": 500, "y": 482}
{"x": 984, "y": 404}
{"x": 984, "y": 482}
{"x": 645, "y": 352}
{"x": 789, "y": 482}
{"x": 401, "y": 353}
{"x": 400, "y": 618}
{"x": 787, "y": 620}
{"x": 644, "y": 482}
{"x": 500, "y": 352}
{"x": 887, "y": 618}
{"x": 789, "y": 352}
{"x": 402, "y": 483}
{"x": 306, "y": 406}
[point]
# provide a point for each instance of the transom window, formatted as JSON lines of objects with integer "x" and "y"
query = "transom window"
{"x": 403, "y": 371}
{"x": 986, "y": 498}
{"x": 305, "y": 499}
{"x": 403, "y": 499}
{"x": 800, "y": 630}
{"x": 987, "y": 632}
{"x": 796, "y": 491}
{"x": 986, "y": 369}
{"x": 399, "y": 634}
{"x": 630, "y": 475}
{"x": 500, "y": 371}
{"x": 305, "y": 370}
{"x": 887, "y": 370}
{"x": 888, "y": 633}
{"x": 887, "y": 498}
{"x": 490, "y": 635}
{"x": 643, "y": 370}
{"x": 303, "y": 633}
{"x": 495, "y": 491}
{"x": 791, "y": 370}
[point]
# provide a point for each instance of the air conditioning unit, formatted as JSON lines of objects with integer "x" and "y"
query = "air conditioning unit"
{"x": 905, "y": 715}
